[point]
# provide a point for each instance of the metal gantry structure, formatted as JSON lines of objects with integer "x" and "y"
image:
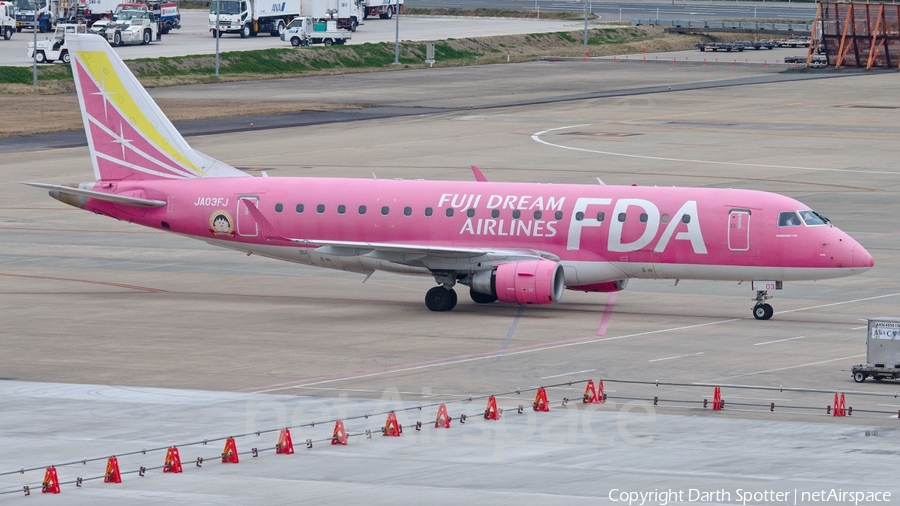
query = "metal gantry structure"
{"x": 857, "y": 34}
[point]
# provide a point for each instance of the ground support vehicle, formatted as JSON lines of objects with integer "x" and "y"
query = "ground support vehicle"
{"x": 54, "y": 49}
{"x": 132, "y": 26}
{"x": 168, "y": 16}
{"x": 303, "y": 31}
{"x": 384, "y": 9}
{"x": 760, "y": 44}
{"x": 882, "y": 351}
{"x": 720, "y": 46}
{"x": 25, "y": 15}
{"x": 798, "y": 42}
{"x": 345, "y": 13}
{"x": 251, "y": 17}
{"x": 7, "y": 19}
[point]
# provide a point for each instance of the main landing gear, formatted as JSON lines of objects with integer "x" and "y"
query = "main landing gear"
{"x": 441, "y": 298}
{"x": 762, "y": 310}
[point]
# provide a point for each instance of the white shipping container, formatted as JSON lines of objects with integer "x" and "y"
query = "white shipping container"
{"x": 883, "y": 342}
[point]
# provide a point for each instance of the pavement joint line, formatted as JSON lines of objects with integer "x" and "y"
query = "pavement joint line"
{"x": 789, "y": 367}
{"x": 537, "y": 138}
{"x": 482, "y": 356}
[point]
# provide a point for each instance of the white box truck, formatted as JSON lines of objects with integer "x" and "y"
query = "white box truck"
{"x": 882, "y": 351}
{"x": 303, "y": 31}
{"x": 7, "y": 19}
{"x": 384, "y": 9}
{"x": 345, "y": 13}
{"x": 250, "y": 17}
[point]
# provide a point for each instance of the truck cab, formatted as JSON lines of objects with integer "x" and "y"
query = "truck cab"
{"x": 25, "y": 16}
{"x": 53, "y": 49}
{"x": 251, "y": 17}
{"x": 304, "y": 31}
{"x": 7, "y": 19}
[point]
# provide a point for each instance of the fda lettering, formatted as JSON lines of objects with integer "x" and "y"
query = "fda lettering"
{"x": 686, "y": 217}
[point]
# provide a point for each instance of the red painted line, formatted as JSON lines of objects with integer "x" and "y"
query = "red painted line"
{"x": 607, "y": 313}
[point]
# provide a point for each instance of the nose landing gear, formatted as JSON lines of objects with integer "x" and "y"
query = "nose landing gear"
{"x": 762, "y": 310}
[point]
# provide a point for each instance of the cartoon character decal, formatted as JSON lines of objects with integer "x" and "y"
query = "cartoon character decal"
{"x": 221, "y": 223}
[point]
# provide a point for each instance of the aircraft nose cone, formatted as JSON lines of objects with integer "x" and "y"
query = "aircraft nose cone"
{"x": 860, "y": 258}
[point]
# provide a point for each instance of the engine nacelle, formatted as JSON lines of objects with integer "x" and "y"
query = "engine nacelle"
{"x": 609, "y": 286}
{"x": 526, "y": 282}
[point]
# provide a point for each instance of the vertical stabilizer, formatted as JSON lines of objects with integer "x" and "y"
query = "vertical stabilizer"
{"x": 128, "y": 135}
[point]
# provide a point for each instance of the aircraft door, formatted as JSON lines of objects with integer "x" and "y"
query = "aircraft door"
{"x": 246, "y": 223}
{"x": 739, "y": 229}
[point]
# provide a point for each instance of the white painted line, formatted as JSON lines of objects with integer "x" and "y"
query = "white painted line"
{"x": 537, "y": 137}
{"x": 889, "y": 405}
{"x": 839, "y": 303}
{"x": 492, "y": 355}
{"x": 790, "y": 367}
{"x": 567, "y": 374}
{"x": 858, "y": 328}
{"x": 679, "y": 356}
{"x": 779, "y": 340}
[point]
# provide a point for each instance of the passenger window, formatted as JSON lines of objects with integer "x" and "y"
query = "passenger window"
{"x": 385, "y": 210}
{"x": 449, "y": 212}
{"x": 788, "y": 219}
{"x": 601, "y": 216}
{"x": 559, "y": 215}
{"x": 428, "y": 211}
{"x": 579, "y": 216}
{"x": 320, "y": 208}
{"x": 299, "y": 208}
{"x": 622, "y": 217}
{"x": 537, "y": 215}
{"x": 495, "y": 213}
{"x": 279, "y": 208}
{"x": 407, "y": 211}
{"x": 643, "y": 217}
{"x": 470, "y": 213}
{"x": 517, "y": 214}
{"x": 685, "y": 218}
{"x": 362, "y": 209}
{"x": 342, "y": 209}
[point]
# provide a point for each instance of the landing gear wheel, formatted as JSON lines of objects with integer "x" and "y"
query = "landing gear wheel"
{"x": 481, "y": 298}
{"x": 763, "y": 311}
{"x": 440, "y": 299}
{"x": 859, "y": 377}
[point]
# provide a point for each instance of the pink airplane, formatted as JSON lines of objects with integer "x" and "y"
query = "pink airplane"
{"x": 509, "y": 242}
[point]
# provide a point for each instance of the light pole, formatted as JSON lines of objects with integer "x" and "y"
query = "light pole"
{"x": 218, "y": 34}
{"x": 35, "y": 30}
{"x": 397, "y": 37}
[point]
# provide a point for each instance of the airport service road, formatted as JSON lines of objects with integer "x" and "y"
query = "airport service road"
{"x": 194, "y": 36}
{"x": 89, "y": 300}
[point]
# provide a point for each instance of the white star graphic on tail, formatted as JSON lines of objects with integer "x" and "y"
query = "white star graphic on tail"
{"x": 121, "y": 140}
{"x": 106, "y": 96}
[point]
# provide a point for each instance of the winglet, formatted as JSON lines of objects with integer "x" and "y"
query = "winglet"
{"x": 478, "y": 175}
{"x": 267, "y": 229}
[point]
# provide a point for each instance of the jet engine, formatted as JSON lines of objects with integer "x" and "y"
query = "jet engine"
{"x": 609, "y": 286}
{"x": 525, "y": 282}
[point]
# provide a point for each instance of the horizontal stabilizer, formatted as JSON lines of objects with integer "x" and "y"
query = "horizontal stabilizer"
{"x": 108, "y": 197}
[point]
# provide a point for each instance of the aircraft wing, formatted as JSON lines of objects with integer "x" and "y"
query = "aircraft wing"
{"x": 434, "y": 257}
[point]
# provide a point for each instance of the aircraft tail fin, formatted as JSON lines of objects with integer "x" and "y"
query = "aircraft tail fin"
{"x": 128, "y": 135}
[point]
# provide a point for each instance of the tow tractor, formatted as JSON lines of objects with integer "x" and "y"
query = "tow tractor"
{"x": 132, "y": 26}
{"x": 54, "y": 49}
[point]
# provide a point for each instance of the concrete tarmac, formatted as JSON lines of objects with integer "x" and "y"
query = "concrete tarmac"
{"x": 91, "y": 301}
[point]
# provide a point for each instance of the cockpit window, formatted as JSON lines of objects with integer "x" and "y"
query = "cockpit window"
{"x": 813, "y": 218}
{"x": 788, "y": 219}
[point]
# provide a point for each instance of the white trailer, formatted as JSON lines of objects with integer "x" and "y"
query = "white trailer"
{"x": 384, "y": 9}
{"x": 250, "y": 17}
{"x": 304, "y": 31}
{"x": 345, "y": 13}
{"x": 7, "y": 19}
